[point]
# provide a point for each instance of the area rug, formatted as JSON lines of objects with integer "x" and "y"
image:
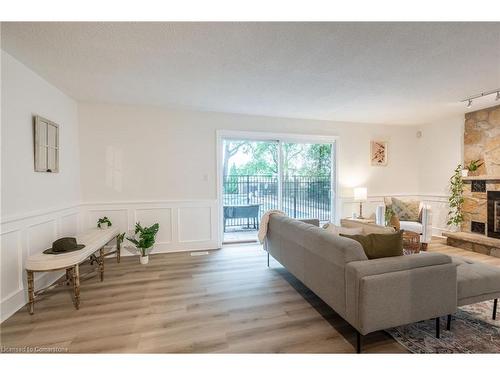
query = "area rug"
{"x": 472, "y": 331}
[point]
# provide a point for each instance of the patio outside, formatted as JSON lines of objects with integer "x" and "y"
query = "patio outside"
{"x": 251, "y": 184}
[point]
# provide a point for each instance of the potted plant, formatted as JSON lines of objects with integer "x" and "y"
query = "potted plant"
{"x": 144, "y": 240}
{"x": 474, "y": 165}
{"x": 104, "y": 223}
{"x": 388, "y": 215}
{"x": 456, "y": 199}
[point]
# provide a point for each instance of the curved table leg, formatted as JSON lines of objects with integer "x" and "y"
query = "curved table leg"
{"x": 76, "y": 285}
{"x": 118, "y": 249}
{"x": 101, "y": 263}
{"x": 31, "y": 292}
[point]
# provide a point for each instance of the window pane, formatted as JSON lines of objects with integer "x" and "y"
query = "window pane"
{"x": 307, "y": 180}
{"x": 52, "y": 136}
{"x": 42, "y": 158}
{"x": 42, "y": 133}
{"x": 52, "y": 159}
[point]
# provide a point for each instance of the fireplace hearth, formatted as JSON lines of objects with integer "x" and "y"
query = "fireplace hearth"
{"x": 493, "y": 214}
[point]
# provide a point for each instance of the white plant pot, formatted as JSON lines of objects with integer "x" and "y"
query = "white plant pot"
{"x": 144, "y": 260}
{"x": 104, "y": 226}
{"x": 465, "y": 172}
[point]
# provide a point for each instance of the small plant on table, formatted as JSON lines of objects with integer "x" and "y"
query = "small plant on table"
{"x": 104, "y": 223}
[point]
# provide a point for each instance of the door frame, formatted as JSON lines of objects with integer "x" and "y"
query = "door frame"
{"x": 223, "y": 134}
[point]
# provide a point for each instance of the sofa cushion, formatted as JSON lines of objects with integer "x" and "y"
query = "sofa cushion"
{"x": 411, "y": 226}
{"x": 406, "y": 210}
{"x": 378, "y": 245}
{"x": 475, "y": 279}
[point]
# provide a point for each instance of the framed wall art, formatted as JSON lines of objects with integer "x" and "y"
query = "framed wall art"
{"x": 378, "y": 153}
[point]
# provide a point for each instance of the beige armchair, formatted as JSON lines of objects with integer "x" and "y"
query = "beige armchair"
{"x": 423, "y": 226}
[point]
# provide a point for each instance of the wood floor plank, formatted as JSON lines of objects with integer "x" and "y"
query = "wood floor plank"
{"x": 228, "y": 301}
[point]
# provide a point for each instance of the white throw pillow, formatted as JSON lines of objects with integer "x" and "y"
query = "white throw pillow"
{"x": 334, "y": 229}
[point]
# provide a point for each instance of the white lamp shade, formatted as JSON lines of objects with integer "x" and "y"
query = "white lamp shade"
{"x": 360, "y": 194}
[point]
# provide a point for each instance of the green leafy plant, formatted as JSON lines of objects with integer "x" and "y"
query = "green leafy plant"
{"x": 474, "y": 165}
{"x": 144, "y": 237}
{"x": 103, "y": 220}
{"x": 389, "y": 213}
{"x": 456, "y": 199}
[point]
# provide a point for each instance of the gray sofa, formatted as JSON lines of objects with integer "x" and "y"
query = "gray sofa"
{"x": 369, "y": 294}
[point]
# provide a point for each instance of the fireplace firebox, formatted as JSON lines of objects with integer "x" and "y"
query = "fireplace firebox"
{"x": 494, "y": 214}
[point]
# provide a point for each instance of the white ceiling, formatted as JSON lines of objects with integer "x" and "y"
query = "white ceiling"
{"x": 400, "y": 73}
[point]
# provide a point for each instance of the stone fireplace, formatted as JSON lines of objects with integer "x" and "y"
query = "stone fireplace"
{"x": 494, "y": 214}
{"x": 480, "y": 231}
{"x": 481, "y": 142}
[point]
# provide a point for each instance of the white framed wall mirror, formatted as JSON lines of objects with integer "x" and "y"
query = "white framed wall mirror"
{"x": 46, "y": 135}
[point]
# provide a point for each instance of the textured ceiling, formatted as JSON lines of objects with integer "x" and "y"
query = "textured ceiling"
{"x": 401, "y": 73}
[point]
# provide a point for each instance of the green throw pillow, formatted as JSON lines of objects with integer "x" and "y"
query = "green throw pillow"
{"x": 380, "y": 245}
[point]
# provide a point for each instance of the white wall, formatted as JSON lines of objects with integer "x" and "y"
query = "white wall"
{"x": 440, "y": 150}
{"x": 150, "y": 164}
{"x": 146, "y": 155}
{"x": 36, "y": 207}
{"x": 25, "y": 94}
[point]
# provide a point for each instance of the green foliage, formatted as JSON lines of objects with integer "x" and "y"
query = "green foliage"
{"x": 389, "y": 213}
{"x": 474, "y": 165}
{"x": 456, "y": 199}
{"x": 103, "y": 220}
{"x": 312, "y": 160}
{"x": 144, "y": 237}
{"x": 231, "y": 185}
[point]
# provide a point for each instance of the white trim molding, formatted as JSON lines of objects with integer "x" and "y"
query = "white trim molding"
{"x": 184, "y": 225}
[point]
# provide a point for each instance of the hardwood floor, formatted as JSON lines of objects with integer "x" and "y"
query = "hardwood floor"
{"x": 224, "y": 302}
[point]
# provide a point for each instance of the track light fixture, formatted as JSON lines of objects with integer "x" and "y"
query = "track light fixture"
{"x": 470, "y": 98}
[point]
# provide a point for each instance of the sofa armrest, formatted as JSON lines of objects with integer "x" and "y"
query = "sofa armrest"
{"x": 426, "y": 224}
{"x": 395, "y": 264}
{"x": 388, "y": 292}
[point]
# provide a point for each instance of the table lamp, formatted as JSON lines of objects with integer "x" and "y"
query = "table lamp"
{"x": 360, "y": 195}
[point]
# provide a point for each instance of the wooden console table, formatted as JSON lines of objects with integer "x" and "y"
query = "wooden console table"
{"x": 94, "y": 240}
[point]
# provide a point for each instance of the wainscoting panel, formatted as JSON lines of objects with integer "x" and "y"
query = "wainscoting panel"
{"x": 68, "y": 225}
{"x": 10, "y": 261}
{"x": 27, "y": 234}
{"x": 41, "y": 235}
{"x": 162, "y": 216}
{"x": 184, "y": 225}
{"x": 194, "y": 224}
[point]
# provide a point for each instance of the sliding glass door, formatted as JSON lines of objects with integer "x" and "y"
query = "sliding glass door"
{"x": 261, "y": 175}
{"x": 307, "y": 180}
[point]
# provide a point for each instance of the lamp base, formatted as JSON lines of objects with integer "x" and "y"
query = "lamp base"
{"x": 360, "y": 216}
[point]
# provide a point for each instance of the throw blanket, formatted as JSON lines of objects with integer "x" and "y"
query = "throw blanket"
{"x": 263, "y": 224}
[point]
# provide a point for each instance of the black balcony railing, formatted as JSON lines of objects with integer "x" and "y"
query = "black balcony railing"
{"x": 303, "y": 197}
